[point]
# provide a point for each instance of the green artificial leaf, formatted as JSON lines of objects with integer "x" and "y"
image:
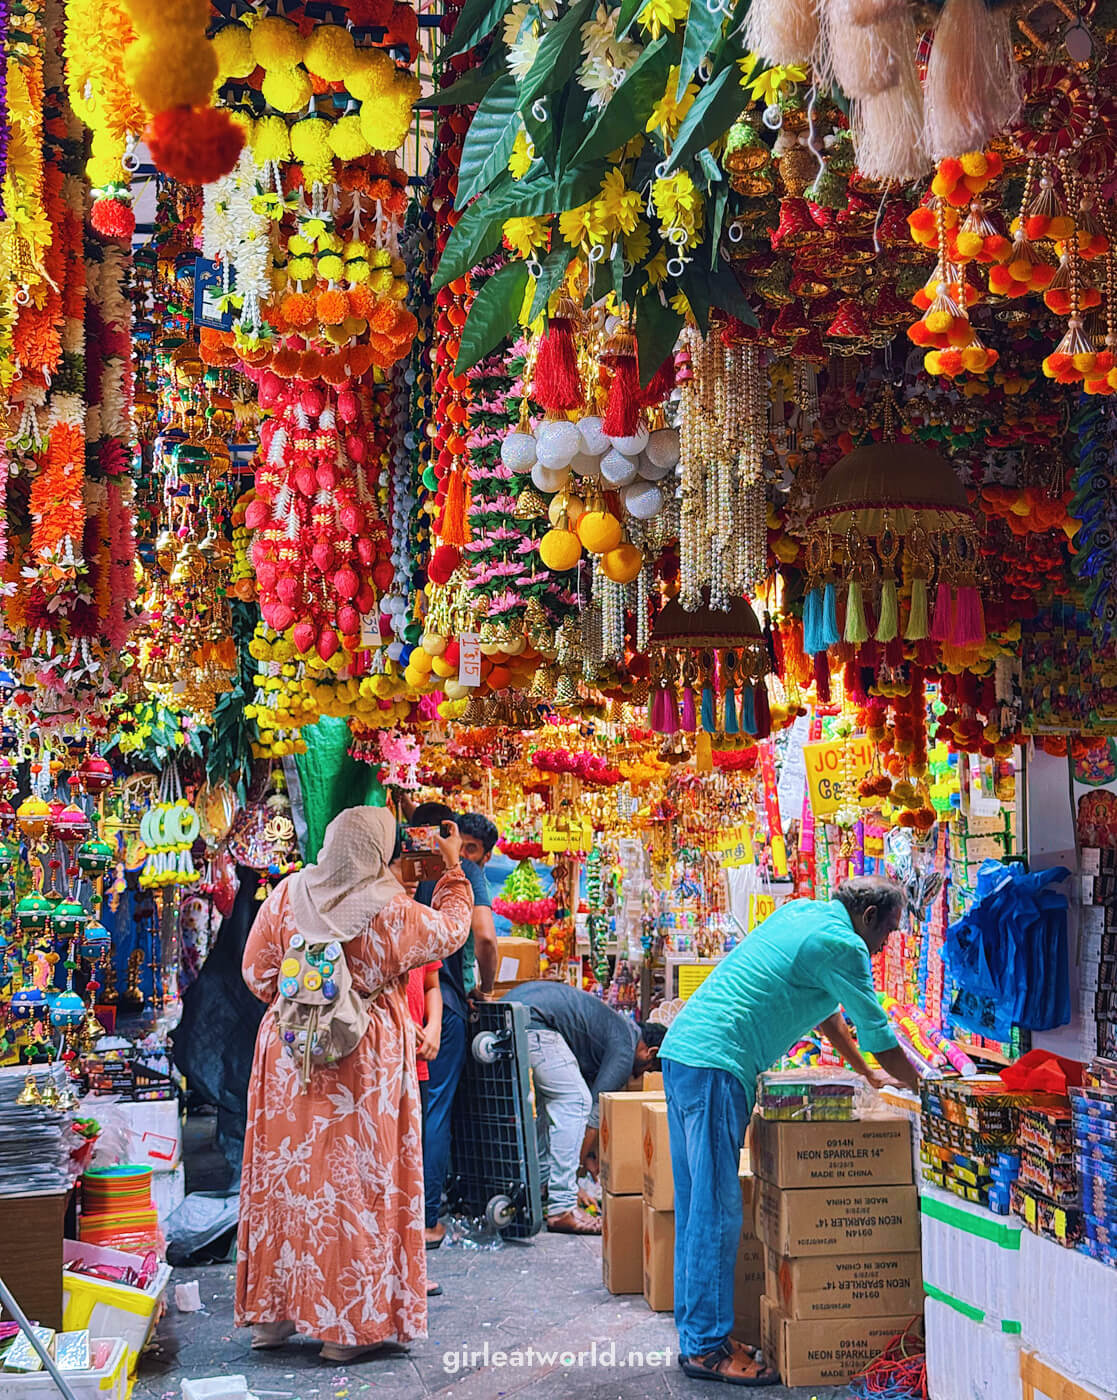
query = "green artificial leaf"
{"x": 469, "y": 88}
{"x": 493, "y": 315}
{"x": 657, "y": 329}
{"x": 718, "y": 202}
{"x": 575, "y": 187}
{"x": 715, "y": 110}
{"x": 627, "y": 16}
{"x": 703, "y": 28}
{"x": 695, "y": 285}
{"x": 476, "y": 234}
{"x": 716, "y": 288}
{"x": 550, "y": 278}
{"x": 573, "y": 120}
{"x": 559, "y": 53}
{"x": 616, "y": 267}
{"x": 489, "y": 140}
{"x": 627, "y": 111}
{"x": 476, "y": 19}
{"x": 710, "y": 168}
{"x": 543, "y": 137}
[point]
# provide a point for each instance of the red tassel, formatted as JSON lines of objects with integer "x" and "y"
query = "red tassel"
{"x": 557, "y": 385}
{"x": 969, "y": 624}
{"x": 894, "y": 653}
{"x": 822, "y": 677}
{"x": 452, "y": 527}
{"x": 663, "y": 381}
{"x": 622, "y": 407}
{"x": 763, "y": 712}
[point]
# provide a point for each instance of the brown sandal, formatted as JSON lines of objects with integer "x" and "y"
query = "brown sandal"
{"x": 573, "y": 1222}
{"x": 722, "y": 1365}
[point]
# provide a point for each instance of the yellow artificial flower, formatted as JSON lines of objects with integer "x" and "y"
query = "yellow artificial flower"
{"x": 678, "y": 204}
{"x": 770, "y": 85}
{"x": 637, "y": 243}
{"x": 582, "y": 225}
{"x": 523, "y": 153}
{"x": 680, "y": 305}
{"x": 655, "y": 270}
{"x": 525, "y": 233}
{"x": 667, "y": 114}
{"x": 658, "y": 15}
{"x": 617, "y": 208}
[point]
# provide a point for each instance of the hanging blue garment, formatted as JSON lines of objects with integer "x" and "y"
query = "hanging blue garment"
{"x": 1007, "y": 957}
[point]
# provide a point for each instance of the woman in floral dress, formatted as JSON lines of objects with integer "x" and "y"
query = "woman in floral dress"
{"x": 330, "y": 1242}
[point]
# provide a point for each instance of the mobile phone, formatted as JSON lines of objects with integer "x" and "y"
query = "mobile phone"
{"x": 419, "y": 840}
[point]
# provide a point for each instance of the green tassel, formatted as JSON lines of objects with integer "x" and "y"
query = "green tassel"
{"x": 730, "y": 711}
{"x": 889, "y": 625}
{"x": 857, "y": 629}
{"x": 918, "y": 620}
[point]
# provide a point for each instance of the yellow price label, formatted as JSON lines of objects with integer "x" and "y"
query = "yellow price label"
{"x": 735, "y": 846}
{"x": 834, "y": 769}
{"x": 562, "y": 834}
{"x": 691, "y": 977}
{"x": 1030, "y": 1209}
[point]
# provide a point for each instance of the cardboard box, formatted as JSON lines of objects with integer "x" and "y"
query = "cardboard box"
{"x": 798, "y": 1155}
{"x": 857, "y": 1220}
{"x": 517, "y": 960}
{"x": 846, "y": 1285}
{"x": 823, "y": 1352}
{"x": 659, "y": 1183}
{"x": 659, "y": 1259}
{"x": 622, "y": 1243}
{"x": 621, "y": 1142}
{"x": 748, "y": 1289}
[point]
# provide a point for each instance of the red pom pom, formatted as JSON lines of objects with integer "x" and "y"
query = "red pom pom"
{"x": 194, "y": 145}
{"x": 443, "y": 562}
{"x": 112, "y": 218}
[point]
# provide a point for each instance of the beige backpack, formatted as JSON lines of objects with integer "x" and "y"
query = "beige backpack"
{"x": 320, "y": 1015}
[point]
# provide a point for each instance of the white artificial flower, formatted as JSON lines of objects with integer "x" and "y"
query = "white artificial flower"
{"x": 607, "y": 58}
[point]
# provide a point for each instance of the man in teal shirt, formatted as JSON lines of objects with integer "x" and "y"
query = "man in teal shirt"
{"x": 787, "y": 977}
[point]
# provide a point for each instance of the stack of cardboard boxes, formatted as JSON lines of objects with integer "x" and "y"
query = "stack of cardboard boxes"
{"x": 837, "y": 1212}
{"x": 621, "y": 1155}
{"x": 638, "y": 1245}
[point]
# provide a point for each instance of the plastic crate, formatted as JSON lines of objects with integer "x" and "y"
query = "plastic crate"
{"x": 494, "y": 1164}
{"x": 110, "y": 1309}
{"x": 108, "y": 1380}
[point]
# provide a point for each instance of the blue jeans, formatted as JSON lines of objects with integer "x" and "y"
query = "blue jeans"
{"x": 707, "y": 1116}
{"x": 446, "y": 1069}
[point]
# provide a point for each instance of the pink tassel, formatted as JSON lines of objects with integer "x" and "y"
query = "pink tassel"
{"x": 659, "y": 712}
{"x": 670, "y": 712}
{"x": 969, "y": 620}
{"x": 763, "y": 712}
{"x": 942, "y": 622}
{"x": 689, "y": 718}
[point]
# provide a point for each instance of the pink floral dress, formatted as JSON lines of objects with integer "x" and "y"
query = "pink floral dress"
{"x": 331, "y": 1199}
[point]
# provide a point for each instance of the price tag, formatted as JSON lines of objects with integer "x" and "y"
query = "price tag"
{"x": 469, "y": 659}
{"x": 1030, "y": 1209}
{"x": 370, "y": 632}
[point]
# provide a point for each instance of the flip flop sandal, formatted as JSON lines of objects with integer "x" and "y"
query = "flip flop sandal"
{"x": 434, "y": 1244}
{"x": 709, "y": 1368}
{"x": 575, "y": 1228}
{"x": 434, "y": 1290}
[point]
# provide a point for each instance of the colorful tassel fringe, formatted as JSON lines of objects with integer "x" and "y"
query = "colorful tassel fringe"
{"x": 748, "y": 708}
{"x": 857, "y": 629}
{"x": 687, "y": 718}
{"x": 916, "y": 630}
{"x": 828, "y": 633}
{"x": 888, "y": 625}
{"x": 942, "y": 624}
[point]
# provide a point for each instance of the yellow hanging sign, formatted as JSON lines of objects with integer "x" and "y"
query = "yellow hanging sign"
{"x": 691, "y": 977}
{"x": 834, "y": 769}
{"x": 734, "y": 846}
{"x": 760, "y": 906}
{"x": 566, "y": 833}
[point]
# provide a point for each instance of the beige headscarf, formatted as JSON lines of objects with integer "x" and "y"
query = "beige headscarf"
{"x": 350, "y": 883}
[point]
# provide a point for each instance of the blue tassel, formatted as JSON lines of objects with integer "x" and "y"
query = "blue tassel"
{"x": 748, "y": 709}
{"x": 730, "y": 711}
{"x": 709, "y": 717}
{"x": 812, "y": 618}
{"x": 829, "y": 636}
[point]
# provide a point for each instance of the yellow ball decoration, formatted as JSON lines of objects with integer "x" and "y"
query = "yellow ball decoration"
{"x": 347, "y": 140}
{"x": 560, "y": 550}
{"x": 287, "y": 89}
{"x": 599, "y": 531}
{"x": 386, "y": 117}
{"x": 372, "y": 74}
{"x": 621, "y": 565}
{"x": 569, "y": 506}
{"x": 271, "y": 140}
{"x": 157, "y": 14}
{"x": 310, "y": 145}
{"x": 160, "y": 81}
{"x": 233, "y": 47}
{"x": 330, "y": 53}
{"x": 276, "y": 42}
